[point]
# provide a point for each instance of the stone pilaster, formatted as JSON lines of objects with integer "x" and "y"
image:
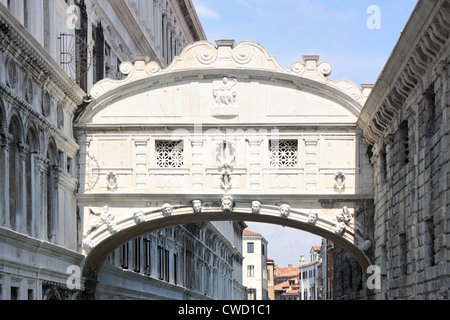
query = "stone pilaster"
{"x": 311, "y": 164}
{"x": 6, "y": 140}
{"x": 197, "y": 163}
{"x": 141, "y": 163}
{"x": 255, "y": 163}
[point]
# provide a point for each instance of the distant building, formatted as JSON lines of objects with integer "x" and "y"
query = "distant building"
{"x": 327, "y": 270}
{"x": 271, "y": 278}
{"x": 255, "y": 265}
{"x": 309, "y": 274}
{"x": 286, "y": 283}
{"x": 302, "y": 282}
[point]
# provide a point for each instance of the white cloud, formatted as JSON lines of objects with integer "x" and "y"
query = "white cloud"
{"x": 206, "y": 12}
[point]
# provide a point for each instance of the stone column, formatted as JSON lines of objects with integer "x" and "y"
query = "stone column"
{"x": 40, "y": 164}
{"x": 21, "y": 218}
{"x": 6, "y": 139}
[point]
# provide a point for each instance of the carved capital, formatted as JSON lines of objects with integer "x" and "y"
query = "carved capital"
{"x": 6, "y": 139}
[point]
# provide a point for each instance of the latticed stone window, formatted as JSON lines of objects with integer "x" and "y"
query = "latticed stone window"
{"x": 283, "y": 153}
{"x": 169, "y": 154}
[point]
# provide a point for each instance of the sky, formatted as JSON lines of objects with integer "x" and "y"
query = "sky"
{"x": 355, "y": 36}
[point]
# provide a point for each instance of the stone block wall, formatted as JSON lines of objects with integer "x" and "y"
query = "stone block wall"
{"x": 411, "y": 198}
{"x": 405, "y": 119}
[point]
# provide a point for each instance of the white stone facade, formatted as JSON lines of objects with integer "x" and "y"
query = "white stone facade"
{"x": 255, "y": 248}
{"x": 223, "y": 133}
{"x": 191, "y": 138}
{"x": 40, "y": 94}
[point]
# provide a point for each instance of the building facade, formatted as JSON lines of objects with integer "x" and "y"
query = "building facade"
{"x": 326, "y": 279}
{"x": 271, "y": 278}
{"x": 152, "y": 128}
{"x": 255, "y": 266}
{"x": 51, "y": 54}
{"x": 309, "y": 275}
{"x": 286, "y": 283}
{"x": 406, "y": 121}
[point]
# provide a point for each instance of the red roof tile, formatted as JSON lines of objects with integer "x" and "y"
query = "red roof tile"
{"x": 250, "y": 233}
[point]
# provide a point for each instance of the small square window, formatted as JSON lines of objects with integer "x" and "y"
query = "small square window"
{"x": 283, "y": 153}
{"x": 169, "y": 154}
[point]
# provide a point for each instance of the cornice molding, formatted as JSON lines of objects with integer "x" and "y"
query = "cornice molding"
{"x": 191, "y": 18}
{"x": 246, "y": 60}
{"x": 12, "y": 30}
{"x": 126, "y": 17}
{"x": 424, "y": 41}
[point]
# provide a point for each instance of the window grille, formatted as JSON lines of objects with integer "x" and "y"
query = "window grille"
{"x": 169, "y": 154}
{"x": 283, "y": 153}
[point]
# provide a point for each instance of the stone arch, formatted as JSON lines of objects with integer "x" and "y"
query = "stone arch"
{"x": 113, "y": 231}
{"x": 238, "y": 99}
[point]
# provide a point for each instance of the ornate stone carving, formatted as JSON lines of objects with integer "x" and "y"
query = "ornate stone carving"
{"x": 298, "y": 68}
{"x": 105, "y": 218}
{"x": 256, "y": 207}
{"x": 88, "y": 245}
{"x": 344, "y": 220}
{"x": 325, "y": 69}
{"x": 312, "y": 218}
{"x": 207, "y": 55}
{"x": 112, "y": 182}
{"x": 197, "y": 206}
{"x": 339, "y": 181}
{"x": 167, "y": 209}
{"x": 227, "y": 204}
{"x": 226, "y": 94}
{"x": 226, "y": 158}
{"x": 243, "y": 54}
{"x": 285, "y": 210}
{"x": 139, "y": 217}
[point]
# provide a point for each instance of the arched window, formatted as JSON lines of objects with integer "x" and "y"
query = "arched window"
{"x": 15, "y": 194}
